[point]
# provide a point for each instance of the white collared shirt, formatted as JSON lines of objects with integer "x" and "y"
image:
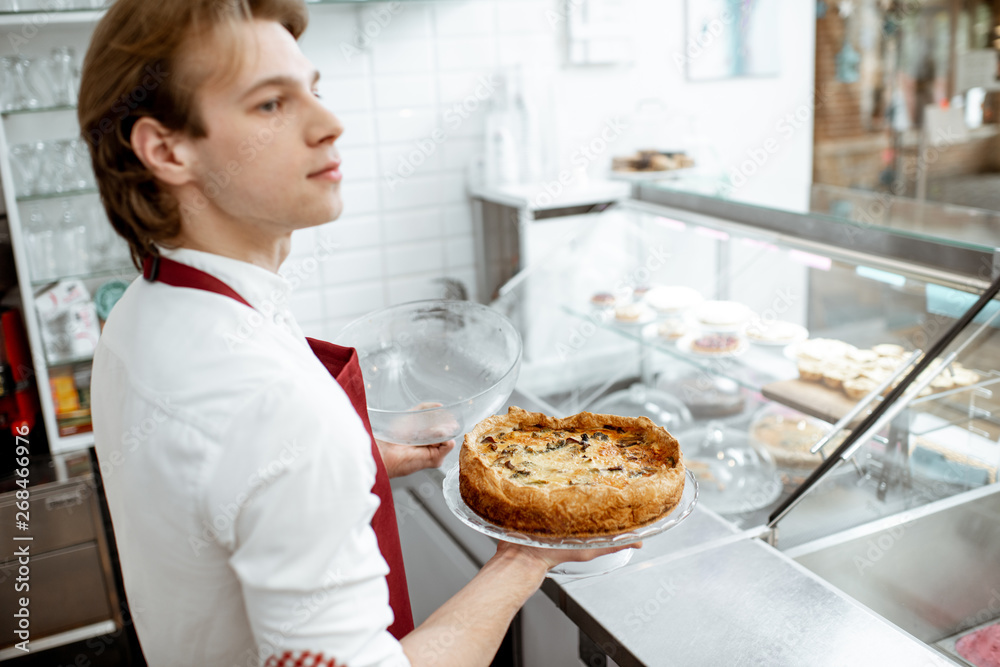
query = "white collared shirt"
{"x": 239, "y": 479}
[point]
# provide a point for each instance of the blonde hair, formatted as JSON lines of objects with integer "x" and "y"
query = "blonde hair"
{"x": 133, "y": 69}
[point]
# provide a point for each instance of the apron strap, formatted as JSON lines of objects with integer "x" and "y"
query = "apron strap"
{"x": 170, "y": 272}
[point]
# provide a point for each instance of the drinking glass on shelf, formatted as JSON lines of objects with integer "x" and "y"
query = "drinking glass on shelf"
{"x": 41, "y": 246}
{"x": 23, "y": 93}
{"x": 62, "y": 79}
{"x": 29, "y": 162}
{"x": 72, "y": 244}
{"x": 84, "y": 168}
{"x": 8, "y": 6}
{"x": 6, "y": 82}
{"x": 100, "y": 236}
{"x": 69, "y": 171}
{"x": 50, "y": 169}
{"x": 22, "y": 160}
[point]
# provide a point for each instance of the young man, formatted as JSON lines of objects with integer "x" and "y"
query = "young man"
{"x": 249, "y": 501}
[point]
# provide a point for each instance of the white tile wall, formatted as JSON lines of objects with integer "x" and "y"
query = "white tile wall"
{"x": 397, "y": 72}
{"x": 391, "y": 77}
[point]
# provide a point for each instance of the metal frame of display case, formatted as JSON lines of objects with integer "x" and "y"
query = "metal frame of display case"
{"x": 955, "y": 257}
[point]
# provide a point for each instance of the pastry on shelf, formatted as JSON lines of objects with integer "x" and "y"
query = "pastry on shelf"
{"x": 651, "y": 160}
{"x": 633, "y": 313}
{"x": 857, "y": 372}
{"x": 603, "y": 300}
{"x": 673, "y": 329}
{"x": 715, "y": 343}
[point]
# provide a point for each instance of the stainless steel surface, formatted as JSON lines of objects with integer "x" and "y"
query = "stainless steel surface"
{"x": 706, "y": 594}
{"x": 741, "y": 603}
{"x": 933, "y": 571}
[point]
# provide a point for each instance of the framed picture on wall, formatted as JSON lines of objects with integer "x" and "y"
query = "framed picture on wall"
{"x": 727, "y": 39}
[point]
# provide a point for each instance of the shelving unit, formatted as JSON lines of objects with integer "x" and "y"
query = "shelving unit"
{"x": 30, "y": 286}
{"x": 39, "y": 17}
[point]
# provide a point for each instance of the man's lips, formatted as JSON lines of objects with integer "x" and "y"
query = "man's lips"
{"x": 330, "y": 172}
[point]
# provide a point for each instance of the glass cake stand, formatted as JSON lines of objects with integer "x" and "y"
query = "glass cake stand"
{"x": 600, "y": 565}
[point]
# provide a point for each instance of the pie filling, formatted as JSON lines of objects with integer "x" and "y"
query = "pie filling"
{"x": 538, "y": 456}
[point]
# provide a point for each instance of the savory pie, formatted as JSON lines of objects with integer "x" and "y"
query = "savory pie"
{"x": 582, "y": 476}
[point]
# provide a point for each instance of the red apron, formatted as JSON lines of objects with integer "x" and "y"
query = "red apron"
{"x": 342, "y": 364}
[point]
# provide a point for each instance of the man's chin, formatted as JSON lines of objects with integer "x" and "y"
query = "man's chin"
{"x": 321, "y": 215}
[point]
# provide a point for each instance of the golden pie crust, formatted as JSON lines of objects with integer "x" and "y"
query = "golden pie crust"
{"x": 535, "y": 474}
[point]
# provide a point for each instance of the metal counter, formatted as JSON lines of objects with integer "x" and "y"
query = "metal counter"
{"x": 705, "y": 593}
{"x": 740, "y": 602}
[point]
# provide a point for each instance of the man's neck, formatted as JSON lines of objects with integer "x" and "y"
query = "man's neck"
{"x": 244, "y": 242}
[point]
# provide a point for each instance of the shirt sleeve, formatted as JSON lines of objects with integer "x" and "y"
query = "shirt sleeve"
{"x": 296, "y": 477}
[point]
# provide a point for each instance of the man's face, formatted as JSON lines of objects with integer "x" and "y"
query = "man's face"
{"x": 268, "y": 159}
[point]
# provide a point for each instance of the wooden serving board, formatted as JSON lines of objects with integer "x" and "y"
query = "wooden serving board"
{"x": 814, "y": 399}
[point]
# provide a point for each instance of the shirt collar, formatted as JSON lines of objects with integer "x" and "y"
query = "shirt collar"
{"x": 267, "y": 292}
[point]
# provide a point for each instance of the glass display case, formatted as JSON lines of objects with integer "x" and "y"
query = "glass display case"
{"x": 767, "y": 341}
{"x": 753, "y": 347}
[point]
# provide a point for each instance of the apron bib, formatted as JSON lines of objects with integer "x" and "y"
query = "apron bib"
{"x": 342, "y": 364}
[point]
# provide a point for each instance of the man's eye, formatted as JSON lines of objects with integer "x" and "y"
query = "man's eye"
{"x": 270, "y": 105}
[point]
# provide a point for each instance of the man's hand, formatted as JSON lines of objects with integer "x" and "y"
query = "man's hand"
{"x": 549, "y": 558}
{"x": 402, "y": 460}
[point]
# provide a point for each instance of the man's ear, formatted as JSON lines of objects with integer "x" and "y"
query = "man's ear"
{"x": 166, "y": 153}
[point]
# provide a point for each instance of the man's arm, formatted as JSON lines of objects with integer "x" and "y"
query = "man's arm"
{"x": 466, "y": 631}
